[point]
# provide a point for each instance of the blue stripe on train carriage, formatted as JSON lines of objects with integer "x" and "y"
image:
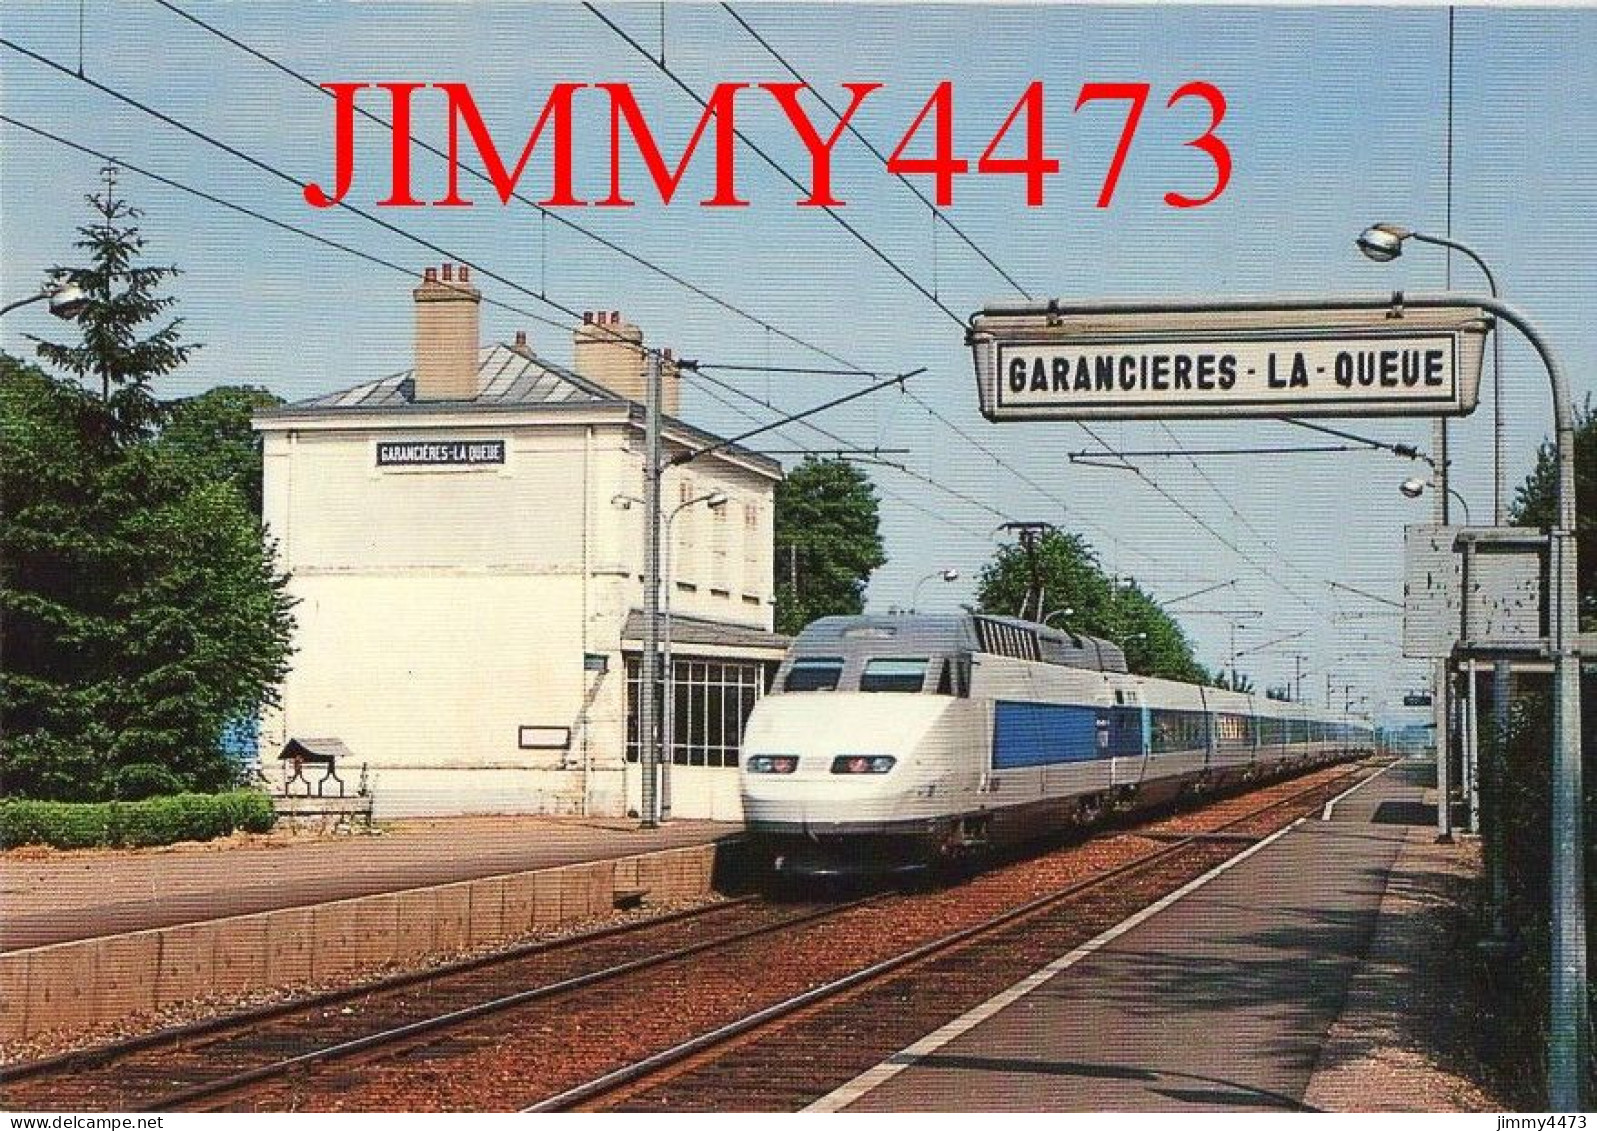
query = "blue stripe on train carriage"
{"x": 1041, "y": 734}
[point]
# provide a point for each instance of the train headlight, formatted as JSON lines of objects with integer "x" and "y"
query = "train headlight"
{"x": 772, "y": 764}
{"x": 862, "y": 764}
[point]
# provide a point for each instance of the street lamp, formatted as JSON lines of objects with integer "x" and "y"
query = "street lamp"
{"x": 1236, "y": 627}
{"x": 1414, "y": 487}
{"x": 1383, "y": 243}
{"x": 715, "y": 501}
{"x": 1057, "y": 613}
{"x": 67, "y": 299}
{"x": 942, "y": 574}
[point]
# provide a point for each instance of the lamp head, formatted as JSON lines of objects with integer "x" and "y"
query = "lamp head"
{"x": 949, "y": 575}
{"x": 621, "y": 502}
{"x": 1412, "y": 488}
{"x": 715, "y": 500}
{"x": 1383, "y": 242}
{"x": 68, "y": 300}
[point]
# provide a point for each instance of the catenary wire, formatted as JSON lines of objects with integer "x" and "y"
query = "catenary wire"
{"x": 546, "y": 213}
{"x": 409, "y": 273}
{"x": 929, "y": 295}
{"x": 853, "y": 369}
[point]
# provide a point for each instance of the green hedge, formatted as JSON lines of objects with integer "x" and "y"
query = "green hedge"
{"x": 134, "y": 824}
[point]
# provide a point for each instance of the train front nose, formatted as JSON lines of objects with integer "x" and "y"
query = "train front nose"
{"x": 828, "y": 763}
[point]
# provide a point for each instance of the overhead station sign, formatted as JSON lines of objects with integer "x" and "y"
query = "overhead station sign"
{"x": 1062, "y": 365}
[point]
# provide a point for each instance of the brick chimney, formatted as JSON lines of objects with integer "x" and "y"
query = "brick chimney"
{"x": 447, "y": 330}
{"x": 608, "y": 351}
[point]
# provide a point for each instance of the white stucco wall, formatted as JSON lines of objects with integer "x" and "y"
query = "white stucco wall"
{"x": 444, "y": 608}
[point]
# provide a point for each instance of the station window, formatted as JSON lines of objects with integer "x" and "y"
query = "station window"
{"x": 712, "y": 705}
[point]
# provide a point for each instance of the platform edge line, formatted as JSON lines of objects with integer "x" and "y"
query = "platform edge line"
{"x": 873, "y": 1078}
{"x": 1325, "y": 814}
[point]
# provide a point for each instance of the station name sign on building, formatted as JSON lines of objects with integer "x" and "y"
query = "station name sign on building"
{"x": 1063, "y": 365}
{"x": 439, "y": 453}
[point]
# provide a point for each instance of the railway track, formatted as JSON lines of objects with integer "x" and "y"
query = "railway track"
{"x": 706, "y": 1009}
{"x": 797, "y": 1050}
{"x": 193, "y": 1064}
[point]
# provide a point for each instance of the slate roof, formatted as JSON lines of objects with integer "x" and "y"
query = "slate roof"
{"x": 506, "y": 376}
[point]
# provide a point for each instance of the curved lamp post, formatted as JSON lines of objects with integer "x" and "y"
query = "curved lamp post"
{"x": 1415, "y": 487}
{"x": 67, "y": 299}
{"x": 1383, "y": 243}
{"x": 941, "y": 574}
{"x": 1567, "y": 1035}
{"x": 714, "y": 500}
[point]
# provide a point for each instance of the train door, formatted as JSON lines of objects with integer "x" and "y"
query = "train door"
{"x": 1129, "y": 733}
{"x": 1211, "y": 720}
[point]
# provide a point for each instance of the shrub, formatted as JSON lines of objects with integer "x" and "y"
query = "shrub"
{"x": 134, "y": 824}
{"x": 143, "y": 780}
{"x": 64, "y": 824}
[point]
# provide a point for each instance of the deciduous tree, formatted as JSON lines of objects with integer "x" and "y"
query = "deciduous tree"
{"x": 828, "y": 542}
{"x": 1072, "y": 579}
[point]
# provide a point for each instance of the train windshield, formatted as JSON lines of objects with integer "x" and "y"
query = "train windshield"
{"x": 814, "y": 674}
{"x": 893, "y": 675}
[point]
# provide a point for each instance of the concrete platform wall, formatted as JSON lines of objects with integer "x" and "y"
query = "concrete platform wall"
{"x": 78, "y": 985}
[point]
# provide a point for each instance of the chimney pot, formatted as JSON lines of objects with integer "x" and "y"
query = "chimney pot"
{"x": 521, "y": 338}
{"x": 447, "y": 337}
{"x": 465, "y": 274}
{"x": 668, "y": 353}
{"x": 587, "y": 317}
{"x": 615, "y": 317}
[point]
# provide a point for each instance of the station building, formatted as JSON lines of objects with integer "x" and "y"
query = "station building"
{"x": 466, "y": 550}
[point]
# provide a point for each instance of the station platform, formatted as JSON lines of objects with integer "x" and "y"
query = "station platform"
{"x": 62, "y": 897}
{"x": 1223, "y": 1000}
{"x": 104, "y": 942}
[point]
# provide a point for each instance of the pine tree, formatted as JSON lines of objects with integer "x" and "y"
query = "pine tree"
{"x": 142, "y": 610}
{"x": 122, "y": 298}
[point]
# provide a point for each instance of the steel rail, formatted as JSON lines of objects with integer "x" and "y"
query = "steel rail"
{"x": 173, "y": 1038}
{"x": 401, "y": 1033}
{"x": 95, "y": 1056}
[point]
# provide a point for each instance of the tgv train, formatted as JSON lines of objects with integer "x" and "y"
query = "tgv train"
{"x": 892, "y": 742}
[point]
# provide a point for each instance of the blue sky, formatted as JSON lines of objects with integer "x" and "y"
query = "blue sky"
{"x": 1337, "y": 118}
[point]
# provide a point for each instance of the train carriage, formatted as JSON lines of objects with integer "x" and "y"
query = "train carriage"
{"x": 892, "y": 742}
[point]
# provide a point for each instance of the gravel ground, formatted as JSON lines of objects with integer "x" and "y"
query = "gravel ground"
{"x": 1403, "y": 1040}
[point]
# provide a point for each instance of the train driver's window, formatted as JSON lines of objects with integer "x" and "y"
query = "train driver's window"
{"x": 814, "y": 674}
{"x": 893, "y": 675}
